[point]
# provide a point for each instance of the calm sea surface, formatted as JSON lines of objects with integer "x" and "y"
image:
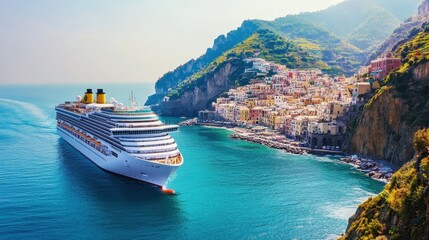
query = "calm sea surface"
{"x": 226, "y": 189}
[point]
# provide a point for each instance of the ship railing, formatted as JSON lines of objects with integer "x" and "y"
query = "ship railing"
{"x": 84, "y": 138}
{"x": 176, "y": 160}
{"x": 153, "y": 151}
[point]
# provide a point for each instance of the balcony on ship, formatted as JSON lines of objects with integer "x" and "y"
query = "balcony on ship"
{"x": 171, "y": 160}
{"x": 124, "y": 132}
{"x": 156, "y": 156}
{"x": 154, "y": 149}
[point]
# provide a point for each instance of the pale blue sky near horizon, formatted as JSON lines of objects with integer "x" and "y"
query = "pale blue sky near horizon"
{"x": 99, "y": 41}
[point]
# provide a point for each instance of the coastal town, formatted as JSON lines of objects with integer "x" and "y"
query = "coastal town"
{"x": 299, "y": 111}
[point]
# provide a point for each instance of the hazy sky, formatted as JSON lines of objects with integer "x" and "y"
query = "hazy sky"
{"x": 119, "y": 41}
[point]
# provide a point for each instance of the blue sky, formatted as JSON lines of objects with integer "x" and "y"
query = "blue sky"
{"x": 119, "y": 41}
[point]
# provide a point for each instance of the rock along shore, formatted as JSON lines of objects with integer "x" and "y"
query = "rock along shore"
{"x": 377, "y": 170}
{"x": 269, "y": 143}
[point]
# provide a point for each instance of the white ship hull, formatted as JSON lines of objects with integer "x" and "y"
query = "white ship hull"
{"x": 125, "y": 164}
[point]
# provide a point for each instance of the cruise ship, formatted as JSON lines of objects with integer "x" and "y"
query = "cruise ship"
{"x": 126, "y": 140}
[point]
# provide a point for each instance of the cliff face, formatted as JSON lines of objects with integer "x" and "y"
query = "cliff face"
{"x": 401, "y": 210}
{"x": 389, "y": 120}
{"x": 196, "y": 92}
{"x": 323, "y": 33}
{"x": 380, "y": 132}
{"x": 389, "y": 128}
{"x": 387, "y": 125}
{"x": 209, "y": 88}
{"x": 421, "y": 73}
{"x": 221, "y": 44}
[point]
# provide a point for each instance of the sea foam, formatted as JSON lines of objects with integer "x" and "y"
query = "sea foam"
{"x": 25, "y": 109}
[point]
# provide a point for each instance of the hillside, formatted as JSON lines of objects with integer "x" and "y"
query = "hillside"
{"x": 369, "y": 20}
{"x": 400, "y": 34}
{"x": 324, "y": 32}
{"x": 401, "y": 210}
{"x": 220, "y": 46}
{"x": 339, "y": 54}
{"x": 197, "y": 91}
{"x": 367, "y": 35}
{"x": 362, "y": 23}
{"x": 269, "y": 46}
{"x": 399, "y": 108}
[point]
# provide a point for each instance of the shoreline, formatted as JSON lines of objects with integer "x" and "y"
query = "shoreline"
{"x": 240, "y": 133}
{"x": 379, "y": 170}
{"x": 376, "y": 169}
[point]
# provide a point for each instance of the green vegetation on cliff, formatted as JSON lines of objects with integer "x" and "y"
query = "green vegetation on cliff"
{"x": 399, "y": 116}
{"x": 272, "y": 47}
{"x": 401, "y": 210}
{"x": 264, "y": 44}
{"x": 399, "y": 108}
{"x": 341, "y": 56}
{"x": 220, "y": 46}
{"x": 339, "y": 35}
{"x": 410, "y": 80}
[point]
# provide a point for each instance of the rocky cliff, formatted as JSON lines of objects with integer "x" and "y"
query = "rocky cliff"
{"x": 380, "y": 132}
{"x": 401, "y": 210}
{"x": 421, "y": 73}
{"x": 390, "y": 119}
{"x": 206, "y": 86}
{"x": 221, "y": 44}
{"x": 207, "y": 89}
{"x": 324, "y": 33}
{"x": 394, "y": 126}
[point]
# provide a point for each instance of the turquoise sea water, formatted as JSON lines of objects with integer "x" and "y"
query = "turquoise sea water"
{"x": 226, "y": 189}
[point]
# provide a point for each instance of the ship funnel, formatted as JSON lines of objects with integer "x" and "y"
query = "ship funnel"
{"x": 101, "y": 96}
{"x": 88, "y": 97}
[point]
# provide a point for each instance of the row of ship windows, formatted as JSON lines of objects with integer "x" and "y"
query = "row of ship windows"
{"x": 101, "y": 119}
{"x": 141, "y": 112}
{"x": 93, "y": 126}
{"x": 155, "y": 151}
{"x": 157, "y": 145}
{"x": 145, "y": 139}
{"x": 134, "y": 121}
{"x": 87, "y": 128}
{"x": 134, "y": 118}
{"x": 99, "y": 124}
{"x": 68, "y": 113}
{"x": 131, "y": 126}
{"x": 143, "y": 132}
{"x": 112, "y": 124}
{"x": 100, "y": 116}
{"x": 132, "y": 115}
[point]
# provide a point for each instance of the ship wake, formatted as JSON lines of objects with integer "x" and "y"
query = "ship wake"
{"x": 28, "y": 114}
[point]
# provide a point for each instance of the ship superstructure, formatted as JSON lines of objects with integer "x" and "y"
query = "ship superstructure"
{"x": 129, "y": 141}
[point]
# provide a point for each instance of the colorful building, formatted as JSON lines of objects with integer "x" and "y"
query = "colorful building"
{"x": 381, "y": 67}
